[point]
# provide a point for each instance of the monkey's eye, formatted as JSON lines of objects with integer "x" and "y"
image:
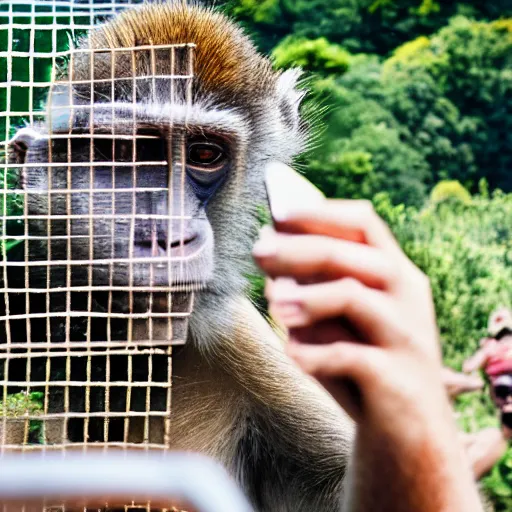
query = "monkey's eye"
{"x": 205, "y": 154}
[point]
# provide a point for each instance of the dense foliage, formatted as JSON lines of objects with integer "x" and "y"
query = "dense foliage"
{"x": 439, "y": 108}
{"x": 373, "y": 26}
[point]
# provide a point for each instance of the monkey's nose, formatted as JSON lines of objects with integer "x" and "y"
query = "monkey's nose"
{"x": 185, "y": 241}
{"x": 154, "y": 244}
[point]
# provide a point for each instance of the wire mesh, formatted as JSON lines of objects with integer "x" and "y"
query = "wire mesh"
{"x": 92, "y": 232}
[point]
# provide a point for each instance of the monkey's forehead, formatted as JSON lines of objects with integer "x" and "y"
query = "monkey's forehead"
{"x": 225, "y": 62}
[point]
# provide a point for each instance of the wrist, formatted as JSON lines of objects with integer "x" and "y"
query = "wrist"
{"x": 431, "y": 472}
{"x": 408, "y": 402}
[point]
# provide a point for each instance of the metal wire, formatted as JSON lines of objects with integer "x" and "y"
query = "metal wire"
{"x": 85, "y": 341}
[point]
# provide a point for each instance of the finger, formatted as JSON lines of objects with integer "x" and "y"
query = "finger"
{"x": 326, "y": 331}
{"x": 373, "y": 314}
{"x": 338, "y": 360}
{"x": 473, "y": 364}
{"x": 351, "y": 220}
{"x": 455, "y": 389}
{"x": 472, "y": 384}
{"x": 343, "y": 369}
{"x": 309, "y": 258}
{"x": 468, "y": 388}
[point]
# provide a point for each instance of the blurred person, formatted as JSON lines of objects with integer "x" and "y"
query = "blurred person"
{"x": 361, "y": 321}
{"x": 486, "y": 447}
{"x": 495, "y": 353}
{"x": 495, "y": 358}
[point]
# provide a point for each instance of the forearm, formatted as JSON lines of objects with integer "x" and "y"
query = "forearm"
{"x": 475, "y": 362}
{"x": 487, "y": 448}
{"x": 424, "y": 473}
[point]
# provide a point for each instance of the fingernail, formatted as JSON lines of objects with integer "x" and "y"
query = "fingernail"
{"x": 280, "y": 213}
{"x": 265, "y": 246}
{"x": 284, "y": 289}
{"x": 291, "y": 314}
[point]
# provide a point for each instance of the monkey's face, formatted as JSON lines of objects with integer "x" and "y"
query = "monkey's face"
{"x": 125, "y": 211}
{"x": 154, "y": 182}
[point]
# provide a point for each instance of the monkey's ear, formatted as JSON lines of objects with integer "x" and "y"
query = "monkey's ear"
{"x": 18, "y": 147}
{"x": 290, "y": 97}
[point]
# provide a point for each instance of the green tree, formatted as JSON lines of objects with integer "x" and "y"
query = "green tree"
{"x": 370, "y": 26}
{"x": 460, "y": 80}
{"x": 362, "y": 152}
{"x": 316, "y": 55}
{"x": 450, "y": 190}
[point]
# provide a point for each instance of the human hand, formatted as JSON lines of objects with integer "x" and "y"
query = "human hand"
{"x": 346, "y": 265}
{"x": 338, "y": 264}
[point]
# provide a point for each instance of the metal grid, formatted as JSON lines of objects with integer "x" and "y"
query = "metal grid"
{"x": 85, "y": 356}
{"x": 132, "y": 507}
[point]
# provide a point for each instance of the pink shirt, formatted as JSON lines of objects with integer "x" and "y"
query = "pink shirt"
{"x": 499, "y": 357}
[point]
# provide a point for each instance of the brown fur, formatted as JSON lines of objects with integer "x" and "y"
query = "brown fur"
{"x": 225, "y": 59}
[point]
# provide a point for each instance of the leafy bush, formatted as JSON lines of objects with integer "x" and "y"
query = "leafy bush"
{"x": 452, "y": 190}
{"x": 467, "y": 67}
{"x": 439, "y": 108}
{"x": 362, "y": 150}
{"x": 311, "y": 55}
{"x": 21, "y": 404}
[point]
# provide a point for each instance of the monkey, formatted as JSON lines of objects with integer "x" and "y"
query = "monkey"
{"x": 235, "y": 397}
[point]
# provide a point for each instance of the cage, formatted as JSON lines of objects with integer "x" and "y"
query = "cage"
{"x": 87, "y": 329}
